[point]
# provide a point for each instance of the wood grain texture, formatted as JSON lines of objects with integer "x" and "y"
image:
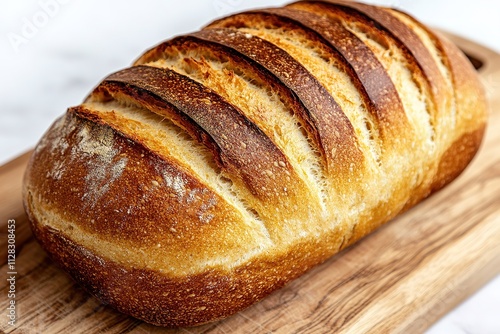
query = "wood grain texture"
{"x": 400, "y": 279}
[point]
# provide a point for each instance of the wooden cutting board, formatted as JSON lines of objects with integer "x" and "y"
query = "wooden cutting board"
{"x": 400, "y": 279}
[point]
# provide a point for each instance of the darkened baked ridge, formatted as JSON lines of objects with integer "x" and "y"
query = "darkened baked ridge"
{"x": 380, "y": 94}
{"x": 240, "y": 148}
{"x": 227, "y": 162}
{"x": 427, "y": 62}
{"x": 234, "y": 140}
{"x": 324, "y": 120}
{"x": 387, "y": 128}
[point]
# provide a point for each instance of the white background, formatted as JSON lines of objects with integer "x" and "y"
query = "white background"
{"x": 53, "y": 52}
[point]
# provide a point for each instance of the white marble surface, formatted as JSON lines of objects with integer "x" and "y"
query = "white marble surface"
{"x": 52, "y": 52}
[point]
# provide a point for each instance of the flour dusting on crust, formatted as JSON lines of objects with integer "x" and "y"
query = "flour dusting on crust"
{"x": 105, "y": 166}
{"x": 56, "y": 142}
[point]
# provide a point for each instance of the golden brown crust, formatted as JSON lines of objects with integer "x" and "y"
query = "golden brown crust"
{"x": 124, "y": 196}
{"x": 178, "y": 302}
{"x": 235, "y": 141}
{"x": 407, "y": 37}
{"x": 322, "y": 115}
{"x": 369, "y": 75}
{"x": 179, "y": 199}
{"x": 456, "y": 158}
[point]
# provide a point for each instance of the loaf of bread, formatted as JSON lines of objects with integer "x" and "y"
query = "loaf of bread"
{"x": 227, "y": 162}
